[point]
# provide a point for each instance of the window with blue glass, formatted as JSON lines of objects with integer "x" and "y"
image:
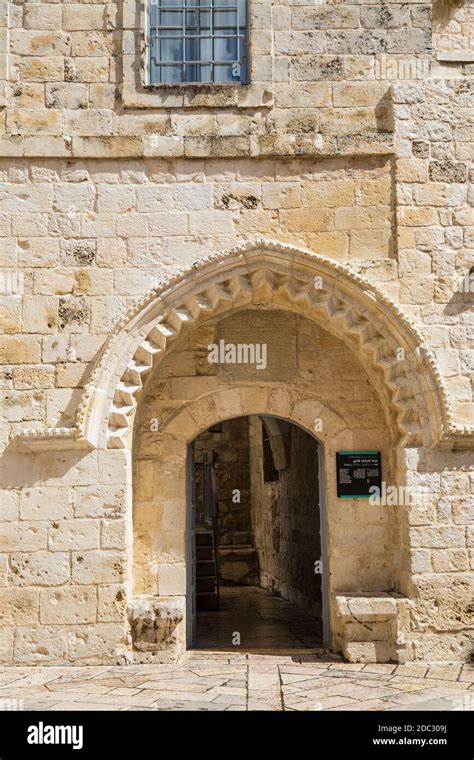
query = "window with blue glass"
{"x": 197, "y": 41}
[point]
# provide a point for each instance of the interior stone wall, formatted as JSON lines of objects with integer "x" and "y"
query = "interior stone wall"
{"x": 286, "y": 520}
{"x": 238, "y": 562}
{"x": 232, "y": 474}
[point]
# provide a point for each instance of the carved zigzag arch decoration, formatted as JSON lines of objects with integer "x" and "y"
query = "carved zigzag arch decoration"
{"x": 267, "y": 274}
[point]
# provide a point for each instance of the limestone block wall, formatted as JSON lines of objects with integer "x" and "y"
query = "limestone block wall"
{"x": 322, "y": 82}
{"x": 354, "y": 141}
{"x": 88, "y": 239}
{"x": 83, "y": 240}
{"x": 434, "y": 139}
{"x": 76, "y": 78}
{"x": 65, "y": 536}
{"x": 286, "y": 519}
{"x": 439, "y": 573}
{"x": 232, "y": 474}
{"x": 453, "y": 24}
{"x": 4, "y": 50}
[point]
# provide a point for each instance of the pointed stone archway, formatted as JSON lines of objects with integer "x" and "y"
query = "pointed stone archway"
{"x": 269, "y": 274}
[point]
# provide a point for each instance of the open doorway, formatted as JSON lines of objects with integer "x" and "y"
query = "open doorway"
{"x": 256, "y": 540}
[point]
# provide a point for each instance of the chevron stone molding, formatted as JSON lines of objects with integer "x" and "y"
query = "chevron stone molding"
{"x": 264, "y": 274}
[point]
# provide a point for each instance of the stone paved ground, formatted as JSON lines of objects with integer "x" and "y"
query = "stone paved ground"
{"x": 263, "y": 621}
{"x": 227, "y": 681}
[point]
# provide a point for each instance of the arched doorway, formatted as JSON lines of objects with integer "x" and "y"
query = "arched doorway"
{"x": 310, "y": 380}
{"x": 375, "y": 384}
{"x": 256, "y": 537}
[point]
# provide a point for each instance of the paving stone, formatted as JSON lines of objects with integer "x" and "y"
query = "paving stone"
{"x": 346, "y": 666}
{"x": 242, "y": 683}
{"x": 379, "y": 668}
{"x": 412, "y": 669}
{"x": 467, "y": 674}
{"x": 445, "y": 672}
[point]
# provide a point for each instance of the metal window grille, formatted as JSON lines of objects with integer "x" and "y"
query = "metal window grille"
{"x": 270, "y": 472}
{"x": 197, "y": 41}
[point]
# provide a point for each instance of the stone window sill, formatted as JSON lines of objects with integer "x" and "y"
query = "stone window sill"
{"x": 196, "y": 96}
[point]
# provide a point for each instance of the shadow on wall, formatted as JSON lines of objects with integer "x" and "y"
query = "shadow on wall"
{"x": 25, "y": 470}
{"x": 443, "y": 11}
{"x": 463, "y": 299}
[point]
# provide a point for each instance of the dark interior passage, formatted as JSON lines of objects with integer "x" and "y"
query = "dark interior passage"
{"x": 257, "y": 543}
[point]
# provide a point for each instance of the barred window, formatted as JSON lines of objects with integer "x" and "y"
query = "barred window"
{"x": 197, "y": 41}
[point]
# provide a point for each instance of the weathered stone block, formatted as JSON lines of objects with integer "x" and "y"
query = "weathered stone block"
{"x": 33, "y": 43}
{"x": 94, "y": 567}
{"x": 71, "y": 375}
{"x": 96, "y": 643}
{"x": 66, "y": 468}
{"x": 45, "y": 503}
{"x": 111, "y": 602}
{"x": 411, "y": 41}
{"x": 41, "y": 69}
{"x": 365, "y": 651}
{"x": 73, "y": 534}
{"x": 447, "y": 171}
{"x": 43, "y": 16}
{"x": 450, "y": 560}
{"x": 171, "y": 579}
{"x": 40, "y": 568}
{"x": 6, "y": 644}
{"x": 155, "y": 623}
{"x": 83, "y": 17}
{"x": 68, "y": 605}
{"x": 114, "y": 534}
{"x": 40, "y": 314}
{"x": 39, "y": 645}
{"x": 115, "y": 198}
{"x": 73, "y": 198}
{"x": 19, "y": 607}
{"x": 441, "y": 537}
{"x": 389, "y": 16}
{"x": 356, "y": 42}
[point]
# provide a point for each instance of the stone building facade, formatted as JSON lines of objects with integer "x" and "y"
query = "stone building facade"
{"x": 324, "y": 208}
